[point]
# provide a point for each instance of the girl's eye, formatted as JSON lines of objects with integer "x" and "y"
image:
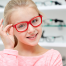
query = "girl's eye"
{"x": 21, "y": 26}
{"x": 35, "y": 20}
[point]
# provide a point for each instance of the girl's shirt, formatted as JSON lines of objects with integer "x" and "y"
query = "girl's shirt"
{"x": 9, "y": 57}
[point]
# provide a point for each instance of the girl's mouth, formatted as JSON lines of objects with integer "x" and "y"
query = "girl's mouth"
{"x": 32, "y": 37}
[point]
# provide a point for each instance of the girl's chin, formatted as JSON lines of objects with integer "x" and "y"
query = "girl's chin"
{"x": 32, "y": 44}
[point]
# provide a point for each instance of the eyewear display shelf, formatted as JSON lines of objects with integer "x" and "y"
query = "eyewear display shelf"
{"x": 59, "y": 12}
{"x": 49, "y": 11}
{"x": 52, "y": 7}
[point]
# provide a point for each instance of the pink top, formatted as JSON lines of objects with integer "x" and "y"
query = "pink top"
{"x": 10, "y": 57}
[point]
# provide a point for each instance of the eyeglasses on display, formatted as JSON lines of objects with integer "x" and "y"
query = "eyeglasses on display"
{"x": 48, "y": 3}
{"x": 50, "y": 38}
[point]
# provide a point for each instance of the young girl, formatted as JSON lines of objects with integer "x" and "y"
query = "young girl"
{"x": 20, "y": 35}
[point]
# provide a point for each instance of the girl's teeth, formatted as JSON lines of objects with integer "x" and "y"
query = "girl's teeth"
{"x": 32, "y": 37}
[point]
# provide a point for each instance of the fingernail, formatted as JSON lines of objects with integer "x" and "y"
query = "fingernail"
{"x": 12, "y": 25}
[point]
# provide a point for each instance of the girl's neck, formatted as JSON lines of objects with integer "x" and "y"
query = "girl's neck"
{"x": 24, "y": 50}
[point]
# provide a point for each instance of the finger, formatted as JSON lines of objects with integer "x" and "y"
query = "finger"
{"x": 1, "y": 30}
{"x": 12, "y": 38}
{"x": 10, "y": 31}
{"x": 1, "y": 21}
{"x": 7, "y": 27}
{"x": 1, "y": 27}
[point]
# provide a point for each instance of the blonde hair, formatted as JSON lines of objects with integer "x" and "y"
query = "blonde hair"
{"x": 12, "y": 5}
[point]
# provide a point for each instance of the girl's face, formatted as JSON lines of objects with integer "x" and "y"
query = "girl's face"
{"x": 32, "y": 35}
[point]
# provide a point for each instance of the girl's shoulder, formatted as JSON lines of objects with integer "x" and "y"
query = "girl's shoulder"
{"x": 9, "y": 51}
{"x": 52, "y": 52}
{"x": 53, "y": 55}
{"x": 48, "y": 52}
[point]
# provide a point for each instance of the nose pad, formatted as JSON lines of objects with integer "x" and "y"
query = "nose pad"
{"x": 31, "y": 29}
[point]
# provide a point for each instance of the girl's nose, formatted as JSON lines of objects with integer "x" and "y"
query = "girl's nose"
{"x": 31, "y": 29}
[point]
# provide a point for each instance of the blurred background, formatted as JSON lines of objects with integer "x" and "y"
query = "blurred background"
{"x": 53, "y": 26}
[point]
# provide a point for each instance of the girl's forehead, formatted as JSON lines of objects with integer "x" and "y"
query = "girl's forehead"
{"x": 23, "y": 14}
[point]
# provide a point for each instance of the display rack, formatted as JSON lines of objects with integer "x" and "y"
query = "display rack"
{"x": 46, "y": 9}
{"x": 57, "y": 7}
{"x": 52, "y": 44}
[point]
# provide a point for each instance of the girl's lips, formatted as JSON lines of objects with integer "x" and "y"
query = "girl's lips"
{"x": 32, "y": 37}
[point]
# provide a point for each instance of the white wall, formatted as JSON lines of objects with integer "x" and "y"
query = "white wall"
{"x": 3, "y": 2}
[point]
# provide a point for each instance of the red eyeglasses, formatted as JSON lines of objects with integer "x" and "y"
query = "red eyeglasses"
{"x": 23, "y": 26}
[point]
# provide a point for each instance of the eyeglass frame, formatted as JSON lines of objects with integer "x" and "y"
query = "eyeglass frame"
{"x": 28, "y": 22}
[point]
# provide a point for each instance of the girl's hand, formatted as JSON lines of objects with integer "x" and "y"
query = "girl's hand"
{"x": 8, "y": 39}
